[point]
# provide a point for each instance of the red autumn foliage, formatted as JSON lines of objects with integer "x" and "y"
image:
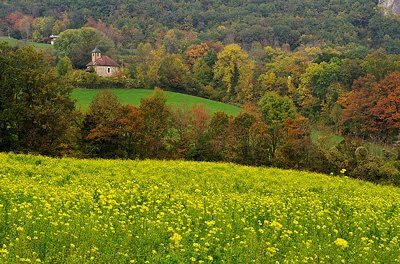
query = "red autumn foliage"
{"x": 372, "y": 109}
{"x": 201, "y": 118}
{"x": 386, "y": 111}
{"x": 297, "y": 129}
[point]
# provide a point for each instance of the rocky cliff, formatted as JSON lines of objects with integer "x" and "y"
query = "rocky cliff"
{"x": 391, "y": 6}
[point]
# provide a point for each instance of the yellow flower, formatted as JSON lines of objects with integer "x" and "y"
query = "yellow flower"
{"x": 276, "y": 225}
{"x": 210, "y": 223}
{"x": 3, "y": 252}
{"x": 340, "y": 242}
{"x": 272, "y": 250}
{"x": 176, "y": 239}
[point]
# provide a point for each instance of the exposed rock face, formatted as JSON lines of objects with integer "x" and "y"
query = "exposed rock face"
{"x": 391, "y": 6}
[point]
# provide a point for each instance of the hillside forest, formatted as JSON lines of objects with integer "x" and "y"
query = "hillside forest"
{"x": 179, "y": 23}
{"x": 296, "y": 68}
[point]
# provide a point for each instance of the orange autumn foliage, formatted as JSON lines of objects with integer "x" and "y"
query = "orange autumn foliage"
{"x": 372, "y": 109}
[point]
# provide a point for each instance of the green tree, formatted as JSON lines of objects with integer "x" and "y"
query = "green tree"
{"x": 217, "y": 132}
{"x": 157, "y": 123}
{"x": 77, "y": 44}
{"x": 36, "y": 113}
{"x": 174, "y": 74}
{"x": 203, "y": 72}
{"x": 320, "y": 87}
{"x": 282, "y": 72}
{"x": 318, "y": 77}
{"x": 379, "y": 64}
{"x": 42, "y": 27}
{"x": 100, "y": 130}
{"x": 276, "y": 110}
{"x": 239, "y": 148}
{"x": 64, "y": 66}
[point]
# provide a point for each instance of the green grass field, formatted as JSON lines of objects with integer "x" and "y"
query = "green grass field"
{"x": 326, "y": 140}
{"x": 21, "y": 43}
{"x": 103, "y": 211}
{"x": 83, "y": 98}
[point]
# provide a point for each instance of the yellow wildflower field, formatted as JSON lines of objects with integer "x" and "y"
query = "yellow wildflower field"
{"x": 102, "y": 211}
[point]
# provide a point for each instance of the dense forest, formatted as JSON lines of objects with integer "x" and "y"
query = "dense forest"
{"x": 273, "y": 22}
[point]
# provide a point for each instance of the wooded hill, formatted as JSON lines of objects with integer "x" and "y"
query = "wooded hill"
{"x": 272, "y": 22}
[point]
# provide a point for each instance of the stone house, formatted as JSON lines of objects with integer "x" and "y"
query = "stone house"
{"x": 103, "y": 65}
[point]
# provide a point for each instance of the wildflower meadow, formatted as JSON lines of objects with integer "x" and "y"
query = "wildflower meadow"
{"x": 102, "y": 211}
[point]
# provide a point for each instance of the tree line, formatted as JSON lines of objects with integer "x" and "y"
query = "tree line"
{"x": 38, "y": 116}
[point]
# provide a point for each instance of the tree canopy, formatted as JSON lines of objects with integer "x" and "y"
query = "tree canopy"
{"x": 35, "y": 109}
{"x": 273, "y": 22}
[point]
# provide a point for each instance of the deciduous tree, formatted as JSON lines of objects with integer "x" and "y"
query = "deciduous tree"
{"x": 235, "y": 70}
{"x": 77, "y": 44}
{"x": 36, "y": 113}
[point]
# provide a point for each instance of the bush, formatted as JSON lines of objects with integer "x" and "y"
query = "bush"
{"x": 90, "y": 80}
{"x": 368, "y": 170}
{"x": 390, "y": 171}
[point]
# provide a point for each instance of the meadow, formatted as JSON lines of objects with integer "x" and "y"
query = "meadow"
{"x": 83, "y": 98}
{"x": 102, "y": 211}
{"x": 21, "y": 43}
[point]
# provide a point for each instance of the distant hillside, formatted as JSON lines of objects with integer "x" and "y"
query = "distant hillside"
{"x": 271, "y": 22}
{"x": 133, "y": 96}
{"x": 104, "y": 211}
{"x": 20, "y": 43}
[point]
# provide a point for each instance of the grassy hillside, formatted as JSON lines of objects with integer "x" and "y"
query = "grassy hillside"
{"x": 328, "y": 140}
{"x": 133, "y": 96}
{"x": 20, "y": 43}
{"x": 325, "y": 139}
{"x": 101, "y": 211}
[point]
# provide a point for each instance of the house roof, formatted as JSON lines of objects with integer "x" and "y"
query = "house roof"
{"x": 96, "y": 50}
{"x": 103, "y": 61}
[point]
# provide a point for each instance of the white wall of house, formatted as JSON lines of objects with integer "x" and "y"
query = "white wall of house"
{"x": 106, "y": 71}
